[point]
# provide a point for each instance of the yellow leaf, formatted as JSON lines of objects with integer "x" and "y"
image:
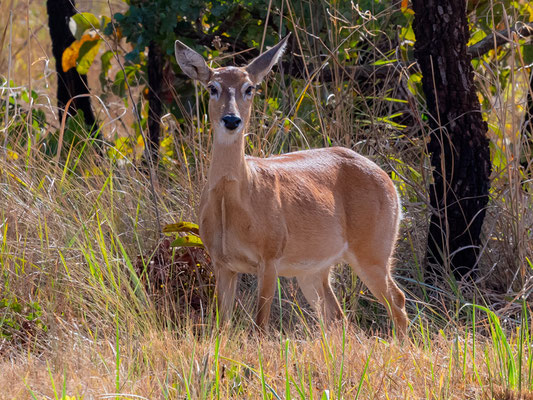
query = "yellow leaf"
{"x": 529, "y": 9}
{"x": 187, "y": 241}
{"x": 70, "y": 55}
{"x": 182, "y": 226}
{"x": 12, "y": 155}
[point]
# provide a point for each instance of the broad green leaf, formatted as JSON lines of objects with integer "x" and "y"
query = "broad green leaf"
{"x": 477, "y": 36}
{"x": 413, "y": 81}
{"x": 408, "y": 34}
{"x": 84, "y": 21}
{"x": 72, "y": 55}
{"x": 124, "y": 78}
{"x": 86, "y": 55}
{"x": 106, "y": 61}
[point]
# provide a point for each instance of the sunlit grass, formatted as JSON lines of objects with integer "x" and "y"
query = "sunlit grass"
{"x": 232, "y": 364}
{"x": 105, "y": 337}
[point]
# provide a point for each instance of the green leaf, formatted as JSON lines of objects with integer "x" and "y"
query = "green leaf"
{"x": 118, "y": 86}
{"x": 408, "y": 34}
{"x": 477, "y": 36}
{"x": 187, "y": 241}
{"x": 88, "y": 52}
{"x": 124, "y": 78}
{"x": 527, "y": 53}
{"x": 182, "y": 227}
{"x": 25, "y": 96}
{"x": 83, "y": 22}
{"x": 388, "y": 120}
{"x": 106, "y": 62}
{"x": 414, "y": 82}
{"x": 104, "y": 21}
{"x": 385, "y": 62}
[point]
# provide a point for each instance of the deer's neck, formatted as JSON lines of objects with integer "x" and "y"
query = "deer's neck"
{"x": 228, "y": 163}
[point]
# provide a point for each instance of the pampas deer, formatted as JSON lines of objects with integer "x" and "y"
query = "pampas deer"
{"x": 293, "y": 215}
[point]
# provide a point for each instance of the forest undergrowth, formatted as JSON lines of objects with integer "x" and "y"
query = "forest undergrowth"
{"x": 96, "y": 303}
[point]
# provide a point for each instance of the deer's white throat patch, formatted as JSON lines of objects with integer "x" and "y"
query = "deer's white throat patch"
{"x": 226, "y": 136}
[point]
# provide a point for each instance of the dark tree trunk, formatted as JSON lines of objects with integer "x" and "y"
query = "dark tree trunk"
{"x": 155, "y": 78}
{"x": 70, "y": 83}
{"x": 527, "y": 131}
{"x": 458, "y": 145}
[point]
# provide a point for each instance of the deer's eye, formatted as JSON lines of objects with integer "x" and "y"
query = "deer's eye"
{"x": 212, "y": 90}
{"x": 249, "y": 90}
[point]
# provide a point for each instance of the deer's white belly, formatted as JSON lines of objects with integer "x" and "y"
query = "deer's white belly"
{"x": 291, "y": 266}
{"x": 244, "y": 260}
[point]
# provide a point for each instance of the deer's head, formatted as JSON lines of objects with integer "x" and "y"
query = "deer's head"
{"x": 231, "y": 88}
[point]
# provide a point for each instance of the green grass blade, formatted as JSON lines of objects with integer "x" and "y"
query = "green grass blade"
{"x": 364, "y": 374}
{"x": 339, "y": 381}
{"x": 287, "y": 377}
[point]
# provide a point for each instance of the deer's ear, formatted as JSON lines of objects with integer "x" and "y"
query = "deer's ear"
{"x": 192, "y": 63}
{"x": 261, "y": 66}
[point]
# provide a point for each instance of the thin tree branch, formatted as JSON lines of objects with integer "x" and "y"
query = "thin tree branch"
{"x": 499, "y": 38}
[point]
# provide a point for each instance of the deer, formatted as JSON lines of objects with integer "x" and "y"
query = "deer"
{"x": 294, "y": 215}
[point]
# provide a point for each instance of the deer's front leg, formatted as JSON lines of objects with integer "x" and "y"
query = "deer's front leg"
{"x": 266, "y": 282}
{"x": 226, "y": 285}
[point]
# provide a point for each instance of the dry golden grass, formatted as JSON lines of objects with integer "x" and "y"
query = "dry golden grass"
{"x": 161, "y": 364}
{"x": 69, "y": 243}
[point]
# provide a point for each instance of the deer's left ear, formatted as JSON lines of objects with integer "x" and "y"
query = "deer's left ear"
{"x": 261, "y": 66}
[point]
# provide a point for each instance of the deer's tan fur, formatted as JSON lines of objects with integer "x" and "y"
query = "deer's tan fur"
{"x": 292, "y": 215}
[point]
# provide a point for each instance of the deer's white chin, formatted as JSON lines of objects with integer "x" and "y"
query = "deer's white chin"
{"x": 226, "y": 136}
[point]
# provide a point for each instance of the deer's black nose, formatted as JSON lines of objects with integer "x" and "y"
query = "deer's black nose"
{"x": 231, "y": 121}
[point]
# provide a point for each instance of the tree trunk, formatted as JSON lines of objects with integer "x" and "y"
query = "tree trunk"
{"x": 527, "y": 131}
{"x": 458, "y": 145}
{"x": 70, "y": 83}
{"x": 155, "y": 77}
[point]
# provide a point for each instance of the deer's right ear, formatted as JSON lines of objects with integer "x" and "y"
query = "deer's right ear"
{"x": 192, "y": 63}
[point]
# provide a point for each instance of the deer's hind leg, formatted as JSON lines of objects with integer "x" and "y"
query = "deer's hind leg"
{"x": 376, "y": 275}
{"x": 332, "y": 308}
{"x": 318, "y": 293}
